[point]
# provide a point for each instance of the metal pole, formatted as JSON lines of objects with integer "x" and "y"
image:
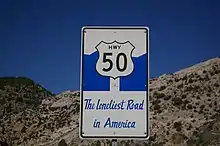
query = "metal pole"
{"x": 114, "y": 142}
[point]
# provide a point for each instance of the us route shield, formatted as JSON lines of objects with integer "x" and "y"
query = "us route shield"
{"x": 115, "y": 59}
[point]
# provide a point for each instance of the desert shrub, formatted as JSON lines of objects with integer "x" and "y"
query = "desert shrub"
{"x": 2, "y": 101}
{"x": 157, "y": 107}
{"x": 162, "y": 88}
{"x": 217, "y": 71}
{"x": 206, "y": 78}
{"x": 109, "y": 142}
{"x": 184, "y": 78}
{"x": 76, "y": 107}
{"x": 189, "y": 127}
{"x": 198, "y": 97}
{"x": 183, "y": 96}
{"x": 167, "y": 97}
{"x": 212, "y": 73}
{"x": 158, "y": 95}
{"x": 214, "y": 68}
{"x": 19, "y": 99}
{"x": 176, "y": 80}
{"x": 200, "y": 111}
{"x": 189, "y": 106}
{"x": 9, "y": 108}
{"x": 190, "y": 80}
{"x": 177, "y": 126}
{"x": 127, "y": 143}
{"x": 200, "y": 78}
{"x": 157, "y": 101}
{"x": 208, "y": 94}
{"x": 216, "y": 85}
{"x": 168, "y": 124}
{"x": 196, "y": 87}
{"x": 98, "y": 143}
{"x": 209, "y": 89}
{"x": 32, "y": 102}
{"x": 177, "y": 101}
{"x": 191, "y": 75}
{"x": 170, "y": 81}
{"x": 3, "y": 143}
{"x": 186, "y": 101}
{"x": 180, "y": 86}
{"x": 183, "y": 107}
{"x": 23, "y": 130}
{"x": 188, "y": 88}
{"x": 202, "y": 106}
{"x": 153, "y": 137}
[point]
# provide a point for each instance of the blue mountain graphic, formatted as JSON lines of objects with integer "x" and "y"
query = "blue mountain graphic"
{"x": 136, "y": 81}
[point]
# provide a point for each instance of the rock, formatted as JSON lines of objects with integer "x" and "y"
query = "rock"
{"x": 184, "y": 111}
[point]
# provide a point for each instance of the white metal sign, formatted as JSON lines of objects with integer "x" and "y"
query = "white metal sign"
{"x": 114, "y": 82}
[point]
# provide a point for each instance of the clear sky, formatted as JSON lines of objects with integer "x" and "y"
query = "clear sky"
{"x": 40, "y": 39}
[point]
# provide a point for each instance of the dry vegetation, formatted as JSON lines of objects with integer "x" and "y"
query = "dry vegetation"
{"x": 184, "y": 111}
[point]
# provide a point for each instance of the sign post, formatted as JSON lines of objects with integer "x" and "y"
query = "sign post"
{"x": 114, "y": 83}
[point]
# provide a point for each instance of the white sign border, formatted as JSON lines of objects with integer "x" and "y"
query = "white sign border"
{"x": 81, "y": 84}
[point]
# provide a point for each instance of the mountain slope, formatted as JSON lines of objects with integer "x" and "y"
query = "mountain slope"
{"x": 184, "y": 103}
{"x": 184, "y": 111}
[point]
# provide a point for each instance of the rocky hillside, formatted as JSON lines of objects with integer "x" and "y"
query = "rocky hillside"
{"x": 184, "y": 108}
{"x": 18, "y": 94}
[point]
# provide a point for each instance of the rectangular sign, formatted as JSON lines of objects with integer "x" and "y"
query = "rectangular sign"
{"x": 114, "y": 83}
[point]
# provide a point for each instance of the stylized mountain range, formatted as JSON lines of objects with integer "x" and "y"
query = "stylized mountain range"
{"x": 135, "y": 82}
{"x": 184, "y": 111}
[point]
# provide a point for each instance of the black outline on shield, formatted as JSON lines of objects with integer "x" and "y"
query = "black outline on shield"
{"x": 118, "y": 43}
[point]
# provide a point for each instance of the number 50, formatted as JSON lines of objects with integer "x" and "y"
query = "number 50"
{"x": 119, "y": 68}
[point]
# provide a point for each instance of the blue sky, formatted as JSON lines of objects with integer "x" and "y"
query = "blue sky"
{"x": 41, "y": 39}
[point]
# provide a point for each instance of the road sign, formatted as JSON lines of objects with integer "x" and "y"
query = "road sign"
{"x": 114, "y": 83}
